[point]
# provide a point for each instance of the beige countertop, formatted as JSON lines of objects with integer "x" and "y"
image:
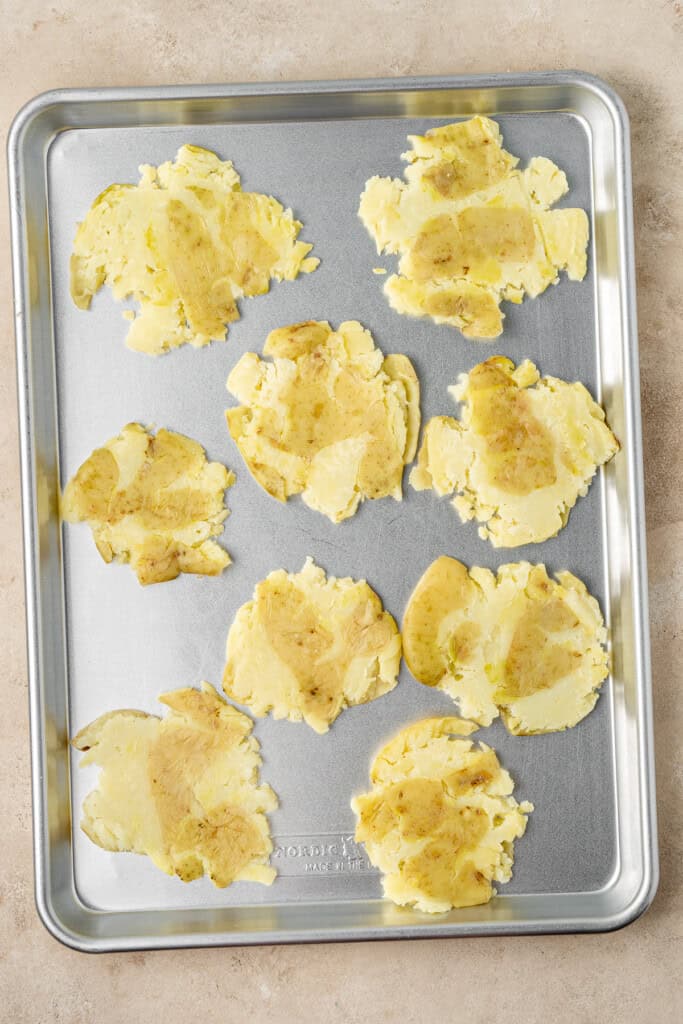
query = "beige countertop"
{"x": 630, "y": 976}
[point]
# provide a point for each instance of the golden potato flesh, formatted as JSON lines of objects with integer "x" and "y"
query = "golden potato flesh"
{"x": 442, "y": 591}
{"x": 153, "y": 501}
{"x": 329, "y": 418}
{"x": 471, "y": 229}
{"x": 440, "y": 820}
{"x": 185, "y": 244}
{"x": 523, "y": 451}
{"x": 307, "y": 646}
{"x": 184, "y": 790}
{"x": 518, "y": 643}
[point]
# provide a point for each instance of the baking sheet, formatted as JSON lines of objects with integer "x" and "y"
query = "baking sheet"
{"x": 100, "y": 641}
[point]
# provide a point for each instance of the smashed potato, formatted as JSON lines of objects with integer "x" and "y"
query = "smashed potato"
{"x": 470, "y": 229}
{"x": 307, "y": 646}
{"x": 154, "y": 502}
{"x": 329, "y": 418}
{"x": 185, "y": 244}
{"x": 517, "y": 643}
{"x": 183, "y": 790}
{"x": 526, "y": 447}
{"x": 440, "y": 820}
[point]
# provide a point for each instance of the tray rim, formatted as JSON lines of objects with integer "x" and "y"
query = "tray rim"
{"x": 646, "y": 887}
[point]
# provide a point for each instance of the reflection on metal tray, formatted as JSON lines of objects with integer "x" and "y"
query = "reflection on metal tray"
{"x": 99, "y": 641}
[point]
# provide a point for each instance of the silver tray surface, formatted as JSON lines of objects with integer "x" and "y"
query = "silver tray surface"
{"x": 99, "y": 641}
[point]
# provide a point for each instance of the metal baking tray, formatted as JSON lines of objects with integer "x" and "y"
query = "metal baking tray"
{"x": 98, "y": 641}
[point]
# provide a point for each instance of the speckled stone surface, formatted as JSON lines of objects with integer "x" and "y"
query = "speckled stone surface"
{"x": 629, "y": 976}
